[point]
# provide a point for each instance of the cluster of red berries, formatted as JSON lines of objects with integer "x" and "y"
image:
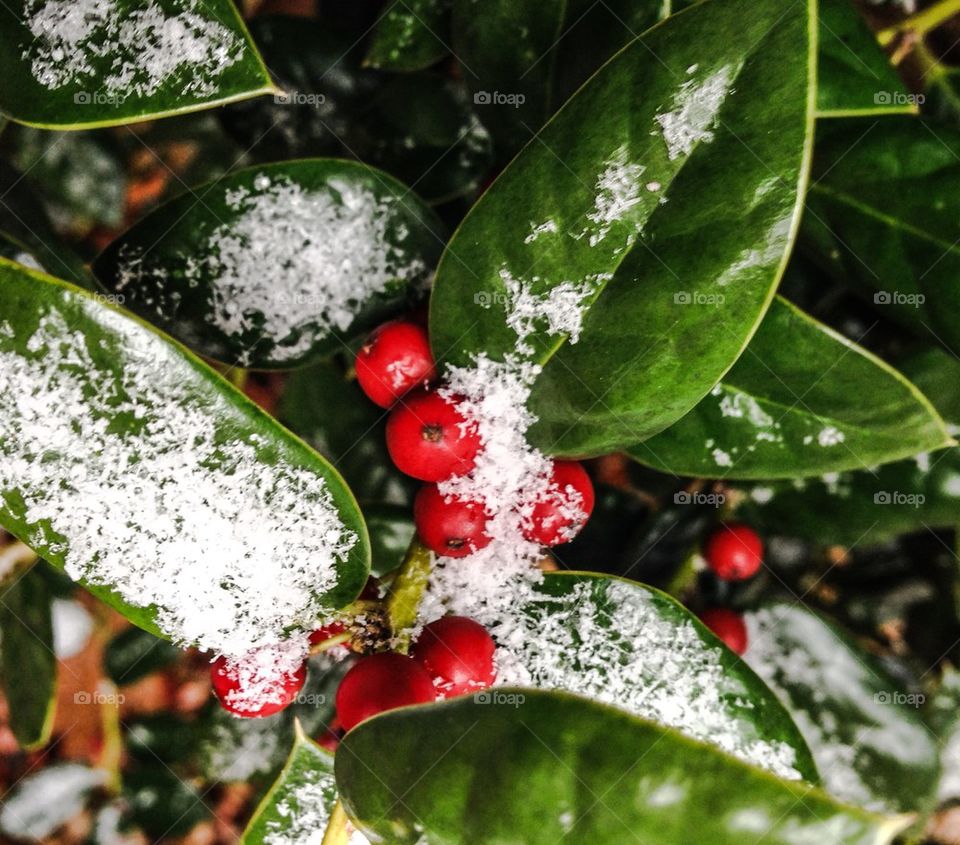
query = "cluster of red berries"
{"x": 734, "y": 552}
{"x": 429, "y": 439}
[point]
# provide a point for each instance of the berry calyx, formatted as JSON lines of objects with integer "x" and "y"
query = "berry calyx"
{"x": 734, "y": 552}
{"x": 394, "y": 360}
{"x": 457, "y": 652}
{"x": 559, "y": 515}
{"x": 380, "y": 682}
{"x": 429, "y": 439}
{"x": 729, "y": 627}
{"x": 252, "y": 691}
{"x": 448, "y": 525}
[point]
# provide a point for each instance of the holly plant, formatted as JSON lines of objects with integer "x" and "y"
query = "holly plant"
{"x": 444, "y": 423}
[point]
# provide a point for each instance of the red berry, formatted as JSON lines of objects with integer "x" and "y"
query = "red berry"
{"x": 560, "y": 514}
{"x": 734, "y": 552}
{"x": 395, "y": 358}
{"x": 245, "y": 689}
{"x": 454, "y": 528}
{"x": 380, "y": 682}
{"x": 458, "y": 654}
{"x": 428, "y": 438}
{"x": 327, "y": 632}
{"x": 729, "y": 627}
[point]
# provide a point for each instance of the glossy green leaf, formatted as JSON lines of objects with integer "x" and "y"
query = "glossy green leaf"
{"x": 653, "y": 228}
{"x": 410, "y": 35}
{"x": 619, "y": 642}
{"x": 569, "y": 769}
{"x": 276, "y": 264}
{"x": 522, "y": 58}
{"x": 28, "y": 665}
{"x": 854, "y": 76}
{"x": 299, "y": 804}
{"x": 793, "y": 405}
{"x": 879, "y": 503}
{"x": 107, "y": 427}
{"x": 865, "y": 731}
{"x": 885, "y": 217}
{"x": 121, "y": 61}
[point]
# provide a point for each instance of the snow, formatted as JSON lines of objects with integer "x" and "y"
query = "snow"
{"x": 617, "y": 191}
{"x": 328, "y": 249}
{"x": 132, "y": 480}
{"x": 304, "y": 809}
{"x": 122, "y": 50}
{"x": 694, "y": 112}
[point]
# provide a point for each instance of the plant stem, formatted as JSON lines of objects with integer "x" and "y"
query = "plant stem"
{"x": 407, "y": 591}
{"x": 922, "y": 22}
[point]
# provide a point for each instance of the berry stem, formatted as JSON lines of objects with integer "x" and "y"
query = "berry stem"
{"x": 406, "y": 593}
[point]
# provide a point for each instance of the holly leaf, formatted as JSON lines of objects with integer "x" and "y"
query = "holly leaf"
{"x": 651, "y": 230}
{"x": 28, "y": 665}
{"x": 854, "y": 76}
{"x": 633, "y": 647}
{"x": 410, "y": 35}
{"x": 574, "y": 769}
{"x": 299, "y": 805}
{"x": 347, "y": 246}
{"x": 865, "y": 731}
{"x": 142, "y": 473}
{"x": 522, "y": 59}
{"x": 883, "y": 217}
{"x": 123, "y": 61}
{"x": 793, "y": 406}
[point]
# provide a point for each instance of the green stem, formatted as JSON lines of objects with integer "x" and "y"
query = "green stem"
{"x": 406, "y": 593}
{"x": 922, "y": 22}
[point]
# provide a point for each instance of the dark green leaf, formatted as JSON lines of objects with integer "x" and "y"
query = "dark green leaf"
{"x": 107, "y": 427}
{"x": 346, "y": 246}
{"x": 162, "y": 803}
{"x": 884, "y": 215}
{"x": 864, "y": 729}
{"x": 410, "y": 35}
{"x": 522, "y": 58}
{"x": 391, "y": 532}
{"x": 661, "y": 220}
{"x": 793, "y": 405}
{"x": 112, "y": 63}
{"x": 28, "y": 665}
{"x": 298, "y": 806}
{"x": 854, "y": 77}
{"x": 634, "y": 647}
{"x": 134, "y": 653}
{"x": 568, "y": 769}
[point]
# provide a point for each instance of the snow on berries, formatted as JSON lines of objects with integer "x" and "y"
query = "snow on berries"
{"x": 734, "y": 552}
{"x": 395, "y": 359}
{"x": 379, "y": 682}
{"x": 261, "y": 683}
{"x": 564, "y": 509}
{"x": 458, "y": 653}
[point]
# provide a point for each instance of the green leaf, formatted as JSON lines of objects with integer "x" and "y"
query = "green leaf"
{"x": 410, "y": 35}
{"x": 107, "y": 428}
{"x": 134, "y": 653}
{"x": 346, "y": 246}
{"x": 631, "y": 646}
{"x": 522, "y": 58}
{"x": 162, "y": 803}
{"x": 876, "y": 504}
{"x": 883, "y": 216}
{"x": 28, "y": 665}
{"x": 865, "y": 731}
{"x": 299, "y": 804}
{"x": 111, "y": 63}
{"x": 568, "y": 769}
{"x": 656, "y": 224}
{"x": 854, "y": 76}
{"x": 793, "y": 405}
